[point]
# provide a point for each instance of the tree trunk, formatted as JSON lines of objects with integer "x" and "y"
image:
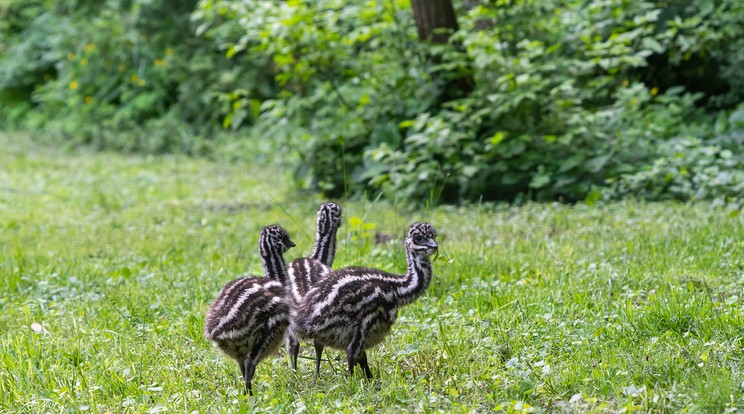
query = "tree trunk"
{"x": 431, "y": 15}
{"x": 436, "y": 21}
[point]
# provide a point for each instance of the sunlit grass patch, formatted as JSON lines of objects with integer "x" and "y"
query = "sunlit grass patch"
{"x": 108, "y": 263}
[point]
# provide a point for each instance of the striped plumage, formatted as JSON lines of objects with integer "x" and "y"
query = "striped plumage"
{"x": 304, "y": 272}
{"x": 248, "y": 319}
{"x": 353, "y": 308}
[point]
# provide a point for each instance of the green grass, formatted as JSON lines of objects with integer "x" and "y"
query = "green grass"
{"x": 628, "y": 306}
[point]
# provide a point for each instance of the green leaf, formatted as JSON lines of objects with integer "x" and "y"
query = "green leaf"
{"x": 498, "y": 137}
{"x": 592, "y": 198}
{"x": 231, "y": 51}
{"x": 284, "y": 59}
{"x": 596, "y": 164}
{"x": 227, "y": 121}
{"x": 652, "y": 44}
{"x": 469, "y": 170}
{"x": 707, "y": 6}
{"x": 540, "y": 180}
{"x": 255, "y": 108}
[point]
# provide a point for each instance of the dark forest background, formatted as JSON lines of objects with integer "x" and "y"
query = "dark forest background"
{"x": 448, "y": 101}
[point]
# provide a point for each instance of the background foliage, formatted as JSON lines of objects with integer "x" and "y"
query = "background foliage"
{"x": 572, "y": 100}
{"x": 130, "y": 75}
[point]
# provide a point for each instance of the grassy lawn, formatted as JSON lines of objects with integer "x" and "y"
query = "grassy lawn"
{"x": 108, "y": 263}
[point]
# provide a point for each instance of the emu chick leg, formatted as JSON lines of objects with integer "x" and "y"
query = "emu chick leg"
{"x": 365, "y": 365}
{"x": 293, "y": 348}
{"x": 249, "y": 368}
{"x": 318, "y": 356}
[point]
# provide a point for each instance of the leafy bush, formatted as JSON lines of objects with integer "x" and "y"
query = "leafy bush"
{"x": 29, "y": 48}
{"x": 350, "y": 72}
{"x": 689, "y": 168}
{"x": 568, "y": 95}
{"x": 130, "y": 75}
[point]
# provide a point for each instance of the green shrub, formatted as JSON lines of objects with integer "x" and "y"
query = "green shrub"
{"x": 350, "y": 72}
{"x": 568, "y": 94}
{"x": 690, "y": 168}
{"x": 129, "y": 75}
{"x": 29, "y": 48}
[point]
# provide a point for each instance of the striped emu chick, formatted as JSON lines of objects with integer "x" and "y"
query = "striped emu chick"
{"x": 303, "y": 273}
{"x": 353, "y": 308}
{"x": 248, "y": 319}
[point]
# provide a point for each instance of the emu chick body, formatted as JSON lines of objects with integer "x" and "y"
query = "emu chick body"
{"x": 349, "y": 307}
{"x": 250, "y": 316}
{"x": 250, "y": 313}
{"x": 353, "y": 308}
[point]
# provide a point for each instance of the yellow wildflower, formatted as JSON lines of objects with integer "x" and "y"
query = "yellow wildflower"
{"x": 84, "y": 61}
{"x": 90, "y": 47}
{"x": 134, "y": 78}
{"x": 160, "y": 62}
{"x": 654, "y": 91}
{"x": 73, "y": 85}
{"x": 168, "y": 51}
{"x": 88, "y": 99}
{"x": 141, "y": 82}
{"x": 70, "y": 56}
